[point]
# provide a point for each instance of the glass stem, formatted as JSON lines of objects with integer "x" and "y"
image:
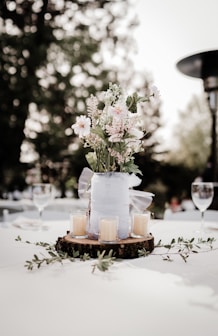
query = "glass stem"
{"x": 40, "y": 218}
{"x": 202, "y": 221}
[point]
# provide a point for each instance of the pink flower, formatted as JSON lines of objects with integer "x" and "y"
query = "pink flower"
{"x": 118, "y": 111}
{"x": 115, "y": 130}
{"x": 82, "y": 126}
{"x": 115, "y": 137}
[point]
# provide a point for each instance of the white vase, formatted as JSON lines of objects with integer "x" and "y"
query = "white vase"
{"x": 110, "y": 197}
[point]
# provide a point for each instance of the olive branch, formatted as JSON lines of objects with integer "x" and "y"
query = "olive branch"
{"x": 102, "y": 263}
{"x": 180, "y": 246}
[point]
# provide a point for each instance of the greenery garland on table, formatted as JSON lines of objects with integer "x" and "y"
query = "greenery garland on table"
{"x": 182, "y": 247}
{"x": 103, "y": 261}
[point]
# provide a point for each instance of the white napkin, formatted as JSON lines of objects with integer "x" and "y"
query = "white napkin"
{"x": 27, "y": 223}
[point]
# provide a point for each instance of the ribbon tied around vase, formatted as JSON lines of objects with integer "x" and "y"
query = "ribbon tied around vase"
{"x": 139, "y": 200}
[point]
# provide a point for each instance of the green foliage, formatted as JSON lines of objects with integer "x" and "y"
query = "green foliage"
{"x": 184, "y": 247}
{"x": 133, "y": 100}
{"x": 103, "y": 261}
{"x": 51, "y": 257}
{"x": 192, "y": 135}
{"x": 51, "y": 60}
{"x": 143, "y": 253}
{"x": 178, "y": 178}
{"x": 180, "y": 246}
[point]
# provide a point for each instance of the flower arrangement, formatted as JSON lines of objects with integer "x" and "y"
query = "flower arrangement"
{"x": 112, "y": 130}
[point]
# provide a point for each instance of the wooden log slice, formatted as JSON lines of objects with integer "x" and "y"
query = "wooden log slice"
{"x": 124, "y": 249}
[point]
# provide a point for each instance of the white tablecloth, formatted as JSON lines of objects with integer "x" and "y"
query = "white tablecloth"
{"x": 144, "y": 296}
{"x": 58, "y": 204}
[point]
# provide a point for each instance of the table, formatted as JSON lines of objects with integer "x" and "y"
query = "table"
{"x": 143, "y": 296}
{"x": 63, "y": 204}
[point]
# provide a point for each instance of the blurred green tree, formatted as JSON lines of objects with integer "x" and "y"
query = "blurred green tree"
{"x": 53, "y": 55}
{"x": 192, "y": 138}
{"x": 190, "y": 149}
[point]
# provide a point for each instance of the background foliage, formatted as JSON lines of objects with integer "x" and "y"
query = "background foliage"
{"x": 53, "y": 55}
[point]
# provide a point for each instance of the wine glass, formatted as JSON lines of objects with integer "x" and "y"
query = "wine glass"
{"x": 202, "y": 196}
{"x": 41, "y": 196}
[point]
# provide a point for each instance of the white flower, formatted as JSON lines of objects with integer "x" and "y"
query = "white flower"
{"x": 82, "y": 126}
{"x": 154, "y": 92}
{"x": 136, "y": 133}
{"x": 134, "y": 146}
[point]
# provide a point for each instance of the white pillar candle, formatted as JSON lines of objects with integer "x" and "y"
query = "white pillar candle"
{"x": 140, "y": 224}
{"x": 108, "y": 229}
{"x": 79, "y": 225}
